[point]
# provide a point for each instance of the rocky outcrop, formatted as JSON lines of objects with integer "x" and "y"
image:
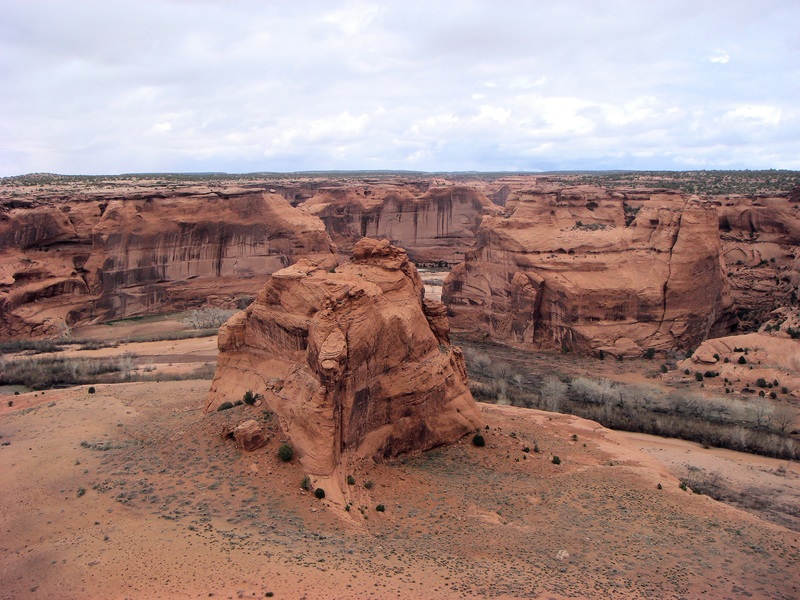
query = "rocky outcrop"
{"x": 353, "y": 360}
{"x": 174, "y": 251}
{"x": 434, "y": 225}
{"x": 760, "y": 240}
{"x": 589, "y": 269}
{"x": 111, "y": 256}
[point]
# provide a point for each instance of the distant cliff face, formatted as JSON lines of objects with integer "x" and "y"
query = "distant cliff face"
{"x": 761, "y": 246}
{"x": 355, "y": 362}
{"x": 101, "y": 258}
{"x": 437, "y": 224}
{"x": 165, "y": 251}
{"x": 589, "y": 269}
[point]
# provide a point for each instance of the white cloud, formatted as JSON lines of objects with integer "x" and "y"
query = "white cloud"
{"x": 720, "y": 57}
{"x": 188, "y": 85}
{"x": 766, "y": 115}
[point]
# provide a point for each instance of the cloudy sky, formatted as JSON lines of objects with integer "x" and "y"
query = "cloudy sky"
{"x": 116, "y": 86}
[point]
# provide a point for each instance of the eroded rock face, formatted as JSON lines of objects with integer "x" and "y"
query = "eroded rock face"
{"x": 589, "y": 269}
{"x": 102, "y": 258}
{"x": 172, "y": 251}
{"x": 760, "y": 240}
{"x": 433, "y": 224}
{"x": 354, "y": 362}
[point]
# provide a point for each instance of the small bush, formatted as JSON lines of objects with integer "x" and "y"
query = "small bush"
{"x": 319, "y": 493}
{"x": 478, "y": 440}
{"x": 286, "y": 452}
{"x": 225, "y": 406}
{"x": 369, "y": 484}
{"x": 351, "y": 480}
{"x": 249, "y": 398}
{"x": 380, "y": 508}
{"x": 305, "y": 483}
{"x": 91, "y": 389}
{"x": 556, "y": 460}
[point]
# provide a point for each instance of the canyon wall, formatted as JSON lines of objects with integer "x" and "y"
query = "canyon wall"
{"x": 595, "y": 270}
{"x": 118, "y": 255}
{"x": 435, "y": 224}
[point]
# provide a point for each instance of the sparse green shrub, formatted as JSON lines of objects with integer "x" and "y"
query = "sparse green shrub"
{"x": 225, "y": 406}
{"x": 478, "y": 440}
{"x": 351, "y": 480}
{"x": 380, "y": 508}
{"x": 556, "y": 460}
{"x": 286, "y": 452}
{"x": 319, "y": 493}
{"x": 305, "y": 483}
{"x": 249, "y": 398}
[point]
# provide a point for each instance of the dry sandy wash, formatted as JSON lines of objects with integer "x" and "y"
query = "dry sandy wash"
{"x": 131, "y": 493}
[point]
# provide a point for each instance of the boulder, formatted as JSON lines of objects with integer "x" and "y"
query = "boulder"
{"x": 249, "y": 435}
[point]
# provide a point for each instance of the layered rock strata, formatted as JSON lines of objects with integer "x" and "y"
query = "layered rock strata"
{"x": 355, "y": 362}
{"x": 594, "y": 270}
{"x": 102, "y": 258}
{"x": 433, "y": 224}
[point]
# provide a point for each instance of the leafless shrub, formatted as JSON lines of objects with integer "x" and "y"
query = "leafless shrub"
{"x": 207, "y": 318}
{"x": 552, "y": 392}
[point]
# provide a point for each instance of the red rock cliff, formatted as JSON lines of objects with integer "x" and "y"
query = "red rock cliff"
{"x": 591, "y": 269}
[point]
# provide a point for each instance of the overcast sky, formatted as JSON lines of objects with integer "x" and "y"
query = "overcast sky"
{"x": 115, "y": 86}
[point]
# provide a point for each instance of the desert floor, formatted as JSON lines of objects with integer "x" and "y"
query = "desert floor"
{"x": 130, "y": 492}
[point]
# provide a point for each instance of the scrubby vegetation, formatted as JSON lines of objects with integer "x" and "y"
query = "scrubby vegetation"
{"x": 286, "y": 452}
{"x": 753, "y": 424}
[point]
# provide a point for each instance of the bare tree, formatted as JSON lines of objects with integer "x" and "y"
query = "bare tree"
{"x": 761, "y": 410}
{"x": 552, "y": 392}
{"x": 783, "y": 418}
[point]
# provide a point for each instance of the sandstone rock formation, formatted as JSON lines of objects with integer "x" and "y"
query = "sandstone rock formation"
{"x": 116, "y": 255}
{"x": 593, "y": 270}
{"x": 433, "y": 224}
{"x": 353, "y": 361}
{"x": 249, "y": 435}
{"x": 760, "y": 241}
